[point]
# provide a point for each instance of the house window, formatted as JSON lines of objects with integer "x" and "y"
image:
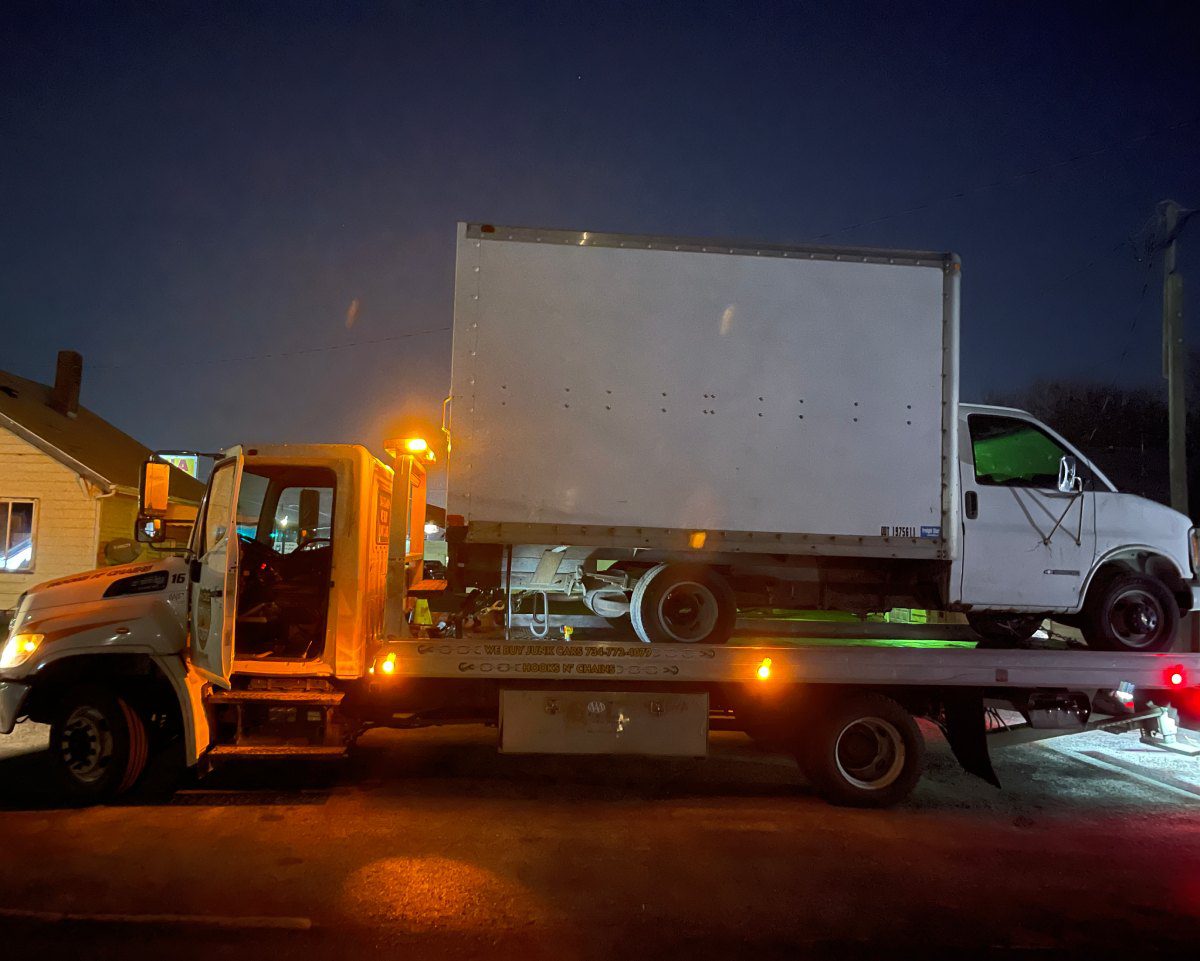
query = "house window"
{"x": 16, "y": 535}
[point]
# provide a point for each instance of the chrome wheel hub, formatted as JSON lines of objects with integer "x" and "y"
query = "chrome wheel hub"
{"x": 870, "y": 753}
{"x": 86, "y": 744}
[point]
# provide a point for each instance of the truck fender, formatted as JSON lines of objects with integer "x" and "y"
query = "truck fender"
{"x": 963, "y": 724}
{"x": 186, "y": 685}
{"x": 189, "y": 689}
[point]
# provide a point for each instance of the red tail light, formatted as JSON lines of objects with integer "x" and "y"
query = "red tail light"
{"x": 1176, "y": 676}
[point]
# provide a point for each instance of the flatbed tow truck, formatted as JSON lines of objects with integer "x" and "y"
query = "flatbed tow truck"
{"x": 287, "y": 630}
{"x": 669, "y": 432}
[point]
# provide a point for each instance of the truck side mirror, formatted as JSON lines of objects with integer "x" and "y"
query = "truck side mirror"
{"x": 1069, "y": 481}
{"x": 149, "y": 530}
{"x": 154, "y": 488}
{"x": 153, "y": 494}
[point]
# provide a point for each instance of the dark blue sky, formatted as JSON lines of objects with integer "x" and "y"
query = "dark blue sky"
{"x": 183, "y": 186}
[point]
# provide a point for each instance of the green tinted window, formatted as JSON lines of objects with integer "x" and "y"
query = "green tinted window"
{"x": 1013, "y": 452}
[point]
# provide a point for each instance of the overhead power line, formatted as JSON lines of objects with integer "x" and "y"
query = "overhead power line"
{"x": 1013, "y": 178}
{"x": 295, "y": 352}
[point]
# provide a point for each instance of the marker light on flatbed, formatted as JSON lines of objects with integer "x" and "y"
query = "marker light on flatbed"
{"x": 388, "y": 664}
{"x": 764, "y": 669}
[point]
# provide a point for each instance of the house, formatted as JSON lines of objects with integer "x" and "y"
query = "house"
{"x": 68, "y": 483}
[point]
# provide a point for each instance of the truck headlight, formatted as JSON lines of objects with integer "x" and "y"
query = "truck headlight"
{"x": 1194, "y": 549}
{"x": 19, "y": 648}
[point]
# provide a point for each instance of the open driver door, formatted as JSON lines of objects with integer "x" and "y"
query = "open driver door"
{"x": 214, "y": 574}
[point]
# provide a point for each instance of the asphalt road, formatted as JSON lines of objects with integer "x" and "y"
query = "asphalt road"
{"x": 428, "y": 844}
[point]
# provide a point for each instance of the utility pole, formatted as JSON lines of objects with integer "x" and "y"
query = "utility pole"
{"x": 1174, "y": 359}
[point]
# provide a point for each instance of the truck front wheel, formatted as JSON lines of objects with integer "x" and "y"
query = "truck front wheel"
{"x": 864, "y": 750}
{"x": 1132, "y": 613}
{"x": 98, "y": 744}
{"x": 684, "y": 603}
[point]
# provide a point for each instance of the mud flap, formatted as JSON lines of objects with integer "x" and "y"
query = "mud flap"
{"x": 963, "y": 723}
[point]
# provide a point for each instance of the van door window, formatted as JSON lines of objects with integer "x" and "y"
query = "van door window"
{"x": 1010, "y": 452}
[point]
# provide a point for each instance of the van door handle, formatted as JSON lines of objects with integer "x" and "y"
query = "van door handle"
{"x": 972, "y": 504}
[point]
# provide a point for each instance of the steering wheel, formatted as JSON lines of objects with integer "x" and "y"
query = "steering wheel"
{"x": 254, "y": 547}
{"x": 313, "y": 542}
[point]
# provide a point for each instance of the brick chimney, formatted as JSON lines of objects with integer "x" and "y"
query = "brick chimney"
{"x": 64, "y": 397}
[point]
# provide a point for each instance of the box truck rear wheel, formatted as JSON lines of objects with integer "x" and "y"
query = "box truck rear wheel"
{"x": 98, "y": 744}
{"x": 684, "y": 603}
{"x": 864, "y": 750}
{"x": 1130, "y": 612}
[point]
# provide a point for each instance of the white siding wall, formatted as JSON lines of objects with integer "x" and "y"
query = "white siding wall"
{"x": 65, "y": 539}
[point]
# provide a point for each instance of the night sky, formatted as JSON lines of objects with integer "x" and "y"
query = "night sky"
{"x": 199, "y": 197}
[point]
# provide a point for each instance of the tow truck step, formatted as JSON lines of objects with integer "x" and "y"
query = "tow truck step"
{"x": 273, "y": 697}
{"x": 278, "y": 750}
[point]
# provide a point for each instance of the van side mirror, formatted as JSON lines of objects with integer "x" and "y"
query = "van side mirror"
{"x": 1069, "y": 481}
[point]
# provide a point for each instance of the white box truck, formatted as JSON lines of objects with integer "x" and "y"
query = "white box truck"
{"x": 673, "y": 428}
{"x": 291, "y": 621}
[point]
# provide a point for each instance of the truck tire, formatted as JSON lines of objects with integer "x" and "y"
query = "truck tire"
{"x": 98, "y": 744}
{"x": 1131, "y": 613}
{"x": 999, "y": 629}
{"x": 865, "y": 750}
{"x": 683, "y": 603}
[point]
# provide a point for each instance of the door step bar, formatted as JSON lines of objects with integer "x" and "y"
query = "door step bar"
{"x": 285, "y": 751}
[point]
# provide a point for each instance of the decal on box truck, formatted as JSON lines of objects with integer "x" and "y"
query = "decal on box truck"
{"x": 926, "y": 532}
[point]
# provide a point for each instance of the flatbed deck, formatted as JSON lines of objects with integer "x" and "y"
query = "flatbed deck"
{"x": 808, "y": 660}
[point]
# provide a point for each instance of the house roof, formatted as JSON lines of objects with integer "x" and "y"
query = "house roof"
{"x": 86, "y": 443}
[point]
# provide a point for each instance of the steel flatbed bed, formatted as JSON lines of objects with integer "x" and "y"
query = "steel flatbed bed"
{"x": 810, "y": 661}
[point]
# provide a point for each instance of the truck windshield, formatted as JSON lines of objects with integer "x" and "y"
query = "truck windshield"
{"x": 1014, "y": 453}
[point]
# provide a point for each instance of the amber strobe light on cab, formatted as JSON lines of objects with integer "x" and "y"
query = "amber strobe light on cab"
{"x": 416, "y": 446}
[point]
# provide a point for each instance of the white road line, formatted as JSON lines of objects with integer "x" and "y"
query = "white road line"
{"x": 1115, "y": 769}
{"x": 195, "y": 920}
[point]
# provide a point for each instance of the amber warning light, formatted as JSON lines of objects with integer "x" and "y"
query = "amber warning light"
{"x": 416, "y": 446}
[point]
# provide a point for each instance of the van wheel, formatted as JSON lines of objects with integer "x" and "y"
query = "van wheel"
{"x": 1131, "y": 612}
{"x": 865, "y": 750}
{"x": 98, "y": 744}
{"x": 684, "y": 603}
{"x": 1004, "y": 630}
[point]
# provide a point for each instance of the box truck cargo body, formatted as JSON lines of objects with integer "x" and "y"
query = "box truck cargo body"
{"x": 792, "y": 400}
{"x": 670, "y": 428}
